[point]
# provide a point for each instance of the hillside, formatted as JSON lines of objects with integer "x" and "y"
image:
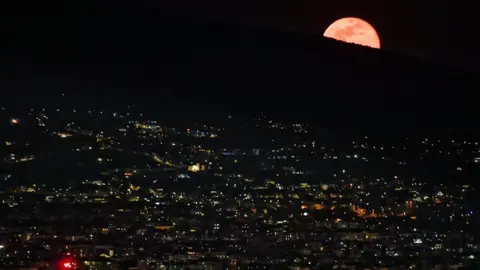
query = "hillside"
{"x": 151, "y": 57}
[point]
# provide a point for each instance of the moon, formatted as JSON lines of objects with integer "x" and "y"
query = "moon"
{"x": 353, "y": 30}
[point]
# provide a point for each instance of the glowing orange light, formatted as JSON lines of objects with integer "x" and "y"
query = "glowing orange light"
{"x": 67, "y": 263}
{"x": 353, "y": 30}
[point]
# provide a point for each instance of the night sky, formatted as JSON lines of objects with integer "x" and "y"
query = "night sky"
{"x": 156, "y": 51}
{"x": 440, "y": 29}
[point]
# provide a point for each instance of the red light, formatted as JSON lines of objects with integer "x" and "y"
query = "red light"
{"x": 66, "y": 263}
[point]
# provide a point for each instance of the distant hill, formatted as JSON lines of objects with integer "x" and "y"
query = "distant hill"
{"x": 152, "y": 57}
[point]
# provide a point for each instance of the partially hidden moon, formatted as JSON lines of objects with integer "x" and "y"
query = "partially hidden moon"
{"x": 353, "y": 30}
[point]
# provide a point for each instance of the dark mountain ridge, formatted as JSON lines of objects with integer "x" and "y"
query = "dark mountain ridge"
{"x": 153, "y": 57}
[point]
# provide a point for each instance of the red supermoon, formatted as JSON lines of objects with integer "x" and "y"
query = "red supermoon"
{"x": 353, "y": 30}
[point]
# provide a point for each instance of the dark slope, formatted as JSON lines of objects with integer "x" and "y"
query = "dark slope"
{"x": 144, "y": 54}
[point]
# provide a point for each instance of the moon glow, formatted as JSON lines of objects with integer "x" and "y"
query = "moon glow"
{"x": 353, "y": 30}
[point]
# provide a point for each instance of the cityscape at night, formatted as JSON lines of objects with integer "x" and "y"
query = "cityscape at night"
{"x": 216, "y": 135}
{"x": 109, "y": 189}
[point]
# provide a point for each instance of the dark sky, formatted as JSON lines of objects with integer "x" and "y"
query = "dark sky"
{"x": 443, "y": 29}
{"x": 136, "y": 50}
{"x": 431, "y": 28}
{"x": 439, "y": 29}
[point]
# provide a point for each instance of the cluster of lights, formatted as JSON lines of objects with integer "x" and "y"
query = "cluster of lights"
{"x": 67, "y": 263}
